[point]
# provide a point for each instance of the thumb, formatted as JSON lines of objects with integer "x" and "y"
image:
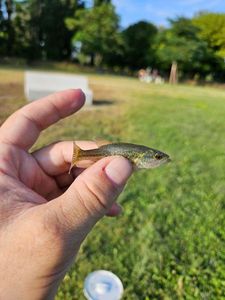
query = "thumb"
{"x": 92, "y": 194}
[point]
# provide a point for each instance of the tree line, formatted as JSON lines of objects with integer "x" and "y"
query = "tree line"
{"x": 91, "y": 35}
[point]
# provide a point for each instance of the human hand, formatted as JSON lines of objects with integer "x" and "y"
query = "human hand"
{"x": 44, "y": 213}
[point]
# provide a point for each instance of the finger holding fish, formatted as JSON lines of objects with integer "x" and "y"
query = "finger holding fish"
{"x": 55, "y": 159}
{"x": 140, "y": 156}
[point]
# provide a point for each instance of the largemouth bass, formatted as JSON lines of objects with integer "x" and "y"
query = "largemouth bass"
{"x": 141, "y": 157}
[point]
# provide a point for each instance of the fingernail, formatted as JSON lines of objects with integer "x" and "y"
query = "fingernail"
{"x": 119, "y": 170}
{"x": 80, "y": 95}
{"x": 81, "y": 92}
{"x": 118, "y": 209}
{"x": 115, "y": 210}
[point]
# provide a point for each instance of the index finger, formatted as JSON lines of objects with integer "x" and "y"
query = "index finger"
{"x": 24, "y": 126}
{"x": 55, "y": 159}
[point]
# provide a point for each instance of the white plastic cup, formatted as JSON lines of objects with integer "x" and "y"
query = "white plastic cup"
{"x": 103, "y": 285}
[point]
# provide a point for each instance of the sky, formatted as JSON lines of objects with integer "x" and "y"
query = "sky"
{"x": 158, "y": 11}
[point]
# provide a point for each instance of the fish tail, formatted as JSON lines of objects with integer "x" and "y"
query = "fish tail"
{"x": 75, "y": 157}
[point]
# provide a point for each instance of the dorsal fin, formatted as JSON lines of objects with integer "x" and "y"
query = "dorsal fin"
{"x": 100, "y": 143}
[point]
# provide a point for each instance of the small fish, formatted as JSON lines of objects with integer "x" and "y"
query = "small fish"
{"x": 141, "y": 157}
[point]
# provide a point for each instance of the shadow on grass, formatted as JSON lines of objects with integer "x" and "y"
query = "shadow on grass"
{"x": 101, "y": 102}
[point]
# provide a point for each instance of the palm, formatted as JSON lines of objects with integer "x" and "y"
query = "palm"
{"x": 24, "y": 171}
{"x": 36, "y": 178}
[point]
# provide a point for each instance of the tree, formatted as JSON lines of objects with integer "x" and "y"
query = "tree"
{"x": 182, "y": 44}
{"x": 36, "y": 29}
{"x": 97, "y": 31}
{"x": 100, "y": 2}
{"x": 50, "y": 38}
{"x": 183, "y": 27}
{"x": 10, "y": 31}
{"x": 20, "y": 23}
{"x": 212, "y": 30}
{"x": 6, "y": 28}
{"x": 2, "y": 30}
{"x": 139, "y": 39}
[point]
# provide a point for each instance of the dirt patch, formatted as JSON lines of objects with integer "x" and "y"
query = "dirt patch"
{"x": 11, "y": 98}
{"x": 11, "y": 90}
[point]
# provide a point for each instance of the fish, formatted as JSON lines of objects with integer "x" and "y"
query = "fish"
{"x": 141, "y": 157}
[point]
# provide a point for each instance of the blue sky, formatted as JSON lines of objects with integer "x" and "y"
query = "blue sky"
{"x": 158, "y": 11}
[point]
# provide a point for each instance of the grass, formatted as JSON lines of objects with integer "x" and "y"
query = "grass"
{"x": 169, "y": 242}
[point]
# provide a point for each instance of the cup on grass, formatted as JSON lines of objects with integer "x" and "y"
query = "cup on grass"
{"x": 103, "y": 285}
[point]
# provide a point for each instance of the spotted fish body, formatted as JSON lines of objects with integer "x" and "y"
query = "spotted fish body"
{"x": 141, "y": 157}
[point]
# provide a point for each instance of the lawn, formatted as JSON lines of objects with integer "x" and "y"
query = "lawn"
{"x": 169, "y": 243}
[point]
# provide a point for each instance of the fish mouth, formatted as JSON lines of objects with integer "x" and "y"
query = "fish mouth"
{"x": 158, "y": 163}
{"x": 166, "y": 160}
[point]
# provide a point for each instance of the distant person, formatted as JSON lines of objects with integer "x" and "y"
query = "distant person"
{"x": 45, "y": 213}
{"x": 154, "y": 74}
{"x": 141, "y": 74}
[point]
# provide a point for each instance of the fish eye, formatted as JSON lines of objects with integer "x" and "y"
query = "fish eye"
{"x": 158, "y": 156}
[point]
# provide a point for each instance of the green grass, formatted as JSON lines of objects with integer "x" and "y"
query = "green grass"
{"x": 169, "y": 242}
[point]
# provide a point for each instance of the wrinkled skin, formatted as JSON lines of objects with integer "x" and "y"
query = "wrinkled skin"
{"x": 45, "y": 213}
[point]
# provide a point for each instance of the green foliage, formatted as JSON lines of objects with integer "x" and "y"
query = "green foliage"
{"x": 3, "y": 36}
{"x": 97, "y": 30}
{"x": 37, "y": 29}
{"x": 100, "y": 2}
{"x": 212, "y": 30}
{"x": 50, "y": 37}
{"x": 183, "y": 27}
{"x": 138, "y": 41}
{"x": 181, "y": 43}
{"x": 70, "y": 29}
{"x": 22, "y": 41}
{"x": 6, "y": 28}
